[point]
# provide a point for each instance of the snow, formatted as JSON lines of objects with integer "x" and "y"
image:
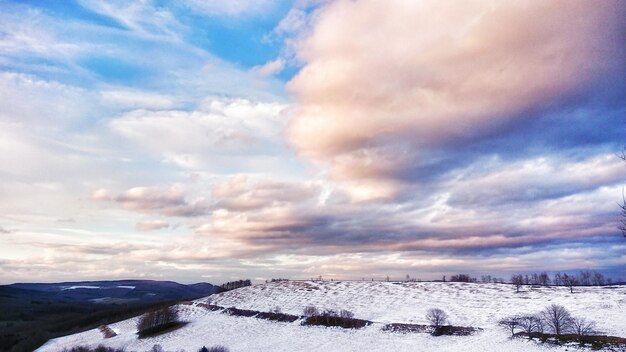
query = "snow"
{"x": 77, "y": 287}
{"x": 478, "y": 305}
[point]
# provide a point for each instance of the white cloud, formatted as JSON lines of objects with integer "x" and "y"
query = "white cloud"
{"x": 197, "y": 139}
{"x": 134, "y": 99}
{"x": 269, "y": 68}
{"x": 151, "y": 225}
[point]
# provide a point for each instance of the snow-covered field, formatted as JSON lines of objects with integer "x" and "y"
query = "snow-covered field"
{"x": 478, "y": 305}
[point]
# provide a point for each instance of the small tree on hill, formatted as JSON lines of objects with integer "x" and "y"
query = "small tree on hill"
{"x": 437, "y": 317}
{"x": 530, "y": 324}
{"x": 557, "y": 318}
{"x": 582, "y": 327}
{"x": 518, "y": 281}
{"x": 510, "y": 323}
{"x": 570, "y": 281}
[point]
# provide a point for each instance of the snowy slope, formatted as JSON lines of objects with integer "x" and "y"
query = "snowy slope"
{"x": 478, "y": 305}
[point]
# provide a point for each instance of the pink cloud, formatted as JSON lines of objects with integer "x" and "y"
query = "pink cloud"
{"x": 167, "y": 201}
{"x": 386, "y": 82}
{"x": 151, "y": 225}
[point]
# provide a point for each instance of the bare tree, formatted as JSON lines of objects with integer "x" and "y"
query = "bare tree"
{"x": 570, "y": 281}
{"x": 510, "y": 323}
{"x": 518, "y": 281}
{"x": 598, "y": 279}
{"x": 582, "y": 327}
{"x": 530, "y": 324}
{"x": 557, "y": 279}
{"x": 584, "y": 278}
{"x": 437, "y": 317}
{"x": 544, "y": 279}
{"x": 557, "y": 318}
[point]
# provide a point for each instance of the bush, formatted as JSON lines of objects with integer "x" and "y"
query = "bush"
{"x": 214, "y": 349}
{"x": 462, "y": 278}
{"x": 334, "y": 320}
{"x": 442, "y": 330}
{"x": 240, "y": 312}
{"x": 282, "y": 317}
{"x": 157, "y": 348}
{"x": 100, "y": 348}
{"x": 404, "y": 328}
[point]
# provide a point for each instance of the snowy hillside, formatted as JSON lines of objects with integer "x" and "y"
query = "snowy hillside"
{"x": 477, "y": 305}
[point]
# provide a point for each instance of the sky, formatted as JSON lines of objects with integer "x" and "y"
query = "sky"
{"x": 193, "y": 140}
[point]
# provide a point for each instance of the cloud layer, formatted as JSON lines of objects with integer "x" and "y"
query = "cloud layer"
{"x": 367, "y": 138}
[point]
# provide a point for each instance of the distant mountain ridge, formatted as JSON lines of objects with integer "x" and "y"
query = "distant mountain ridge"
{"x": 114, "y": 291}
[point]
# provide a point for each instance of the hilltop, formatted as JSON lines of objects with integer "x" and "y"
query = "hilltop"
{"x": 468, "y": 304}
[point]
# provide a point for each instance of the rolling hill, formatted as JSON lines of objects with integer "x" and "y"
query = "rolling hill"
{"x": 468, "y": 304}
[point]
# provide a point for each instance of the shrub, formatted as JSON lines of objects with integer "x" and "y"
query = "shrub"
{"x": 240, "y": 312}
{"x": 214, "y": 349}
{"x": 100, "y": 348}
{"x": 157, "y": 348}
{"x": 461, "y": 278}
{"x": 218, "y": 349}
{"x": 333, "y": 320}
{"x": 282, "y": 317}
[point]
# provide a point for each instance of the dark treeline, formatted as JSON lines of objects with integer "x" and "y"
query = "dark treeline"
{"x": 235, "y": 284}
{"x": 583, "y": 278}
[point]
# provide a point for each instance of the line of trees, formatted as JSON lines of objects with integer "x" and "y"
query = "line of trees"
{"x": 554, "y": 319}
{"x": 157, "y": 320}
{"x": 462, "y": 278}
{"x": 231, "y": 285}
{"x": 583, "y": 278}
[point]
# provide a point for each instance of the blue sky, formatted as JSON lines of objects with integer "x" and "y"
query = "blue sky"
{"x": 209, "y": 140}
